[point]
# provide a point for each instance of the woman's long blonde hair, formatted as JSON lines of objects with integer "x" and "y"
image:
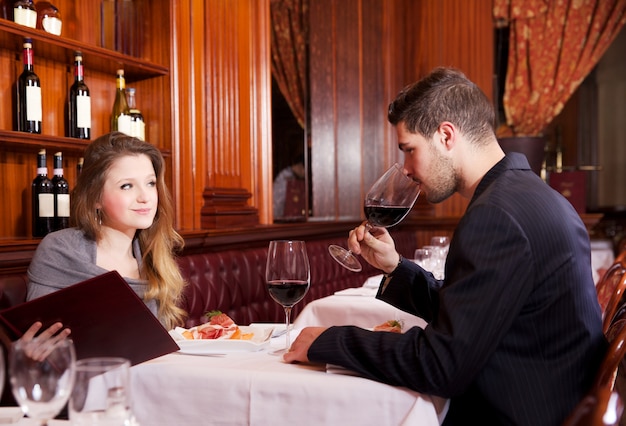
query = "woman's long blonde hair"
{"x": 158, "y": 243}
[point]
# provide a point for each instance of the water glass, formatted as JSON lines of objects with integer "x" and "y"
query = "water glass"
{"x": 442, "y": 242}
{"x": 423, "y": 258}
{"x": 101, "y": 392}
{"x": 42, "y": 374}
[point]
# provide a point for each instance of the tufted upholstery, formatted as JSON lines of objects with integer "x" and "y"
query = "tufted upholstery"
{"x": 233, "y": 281}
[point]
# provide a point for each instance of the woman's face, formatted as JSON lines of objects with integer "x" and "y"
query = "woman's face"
{"x": 130, "y": 196}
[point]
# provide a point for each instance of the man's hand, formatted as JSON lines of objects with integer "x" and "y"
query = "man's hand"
{"x": 300, "y": 346}
{"x": 375, "y": 245}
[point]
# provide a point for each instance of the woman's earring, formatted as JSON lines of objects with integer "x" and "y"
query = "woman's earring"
{"x": 98, "y": 217}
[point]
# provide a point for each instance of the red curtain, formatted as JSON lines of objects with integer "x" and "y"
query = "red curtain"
{"x": 553, "y": 45}
{"x": 290, "y": 34}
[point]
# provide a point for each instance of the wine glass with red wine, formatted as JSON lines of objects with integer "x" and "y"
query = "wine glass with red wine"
{"x": 288, "y": 277}
{"x": 388, "y": 201}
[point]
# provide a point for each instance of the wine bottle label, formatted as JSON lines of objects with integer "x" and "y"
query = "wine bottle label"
{"x": 33, "y": 103}
{"x": 138, "y": 129}
{"x": 124, "y": 124}
{"x": 83, "y": 112}
{"x": 42, "y": 171}
{"x": 63, "y": 205}
{"x": 52, "y": 25}
{"x": 46, "y": 205}
{"x": 26, "y": 17}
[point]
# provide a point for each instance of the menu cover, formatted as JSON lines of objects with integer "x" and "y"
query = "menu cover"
{"x": 106, "y": 318}
{"x": 571, "y": 185}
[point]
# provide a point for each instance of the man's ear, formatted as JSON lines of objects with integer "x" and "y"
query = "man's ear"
{"x": 447, "y": 134}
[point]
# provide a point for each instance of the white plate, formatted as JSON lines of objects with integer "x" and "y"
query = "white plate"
{"x": 259, "y": 341}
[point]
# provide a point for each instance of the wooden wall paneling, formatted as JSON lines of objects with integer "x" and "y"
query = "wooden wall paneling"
{"x": 353, "y": 74}
{"x": 16, "y": 169}
{"x": 374, "y": 153}
{"x": 238, "y": 54}
{"x": 188, "y": 81}
{"x": 349, "y": 99}
{"x": 322, "y": 104}
{"x": 9, "y": 61}
{"x": 257, "y": 168}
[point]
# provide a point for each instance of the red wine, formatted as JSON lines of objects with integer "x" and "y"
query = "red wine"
{"x": 79, "y": 113}
{"x": 385, "y": 216}
{"x": 42, "y": 199}
{"x": 61, "y": 190}
{"x": 287, "y": 292}
{"x": 29, "y": 111}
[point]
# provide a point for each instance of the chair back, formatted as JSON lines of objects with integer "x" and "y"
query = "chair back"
{"x": 615, "y": 300}
{"x": 603, "y": 406}
{"x": 607, "y": 284}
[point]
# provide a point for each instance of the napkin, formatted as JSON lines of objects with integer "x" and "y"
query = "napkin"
{"x": 373, "y": 282}
{"x": 337, "y": 369}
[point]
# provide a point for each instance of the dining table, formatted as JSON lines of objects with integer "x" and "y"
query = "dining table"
{"x": 355, "y": 306}
{"x": 255, "y": 387}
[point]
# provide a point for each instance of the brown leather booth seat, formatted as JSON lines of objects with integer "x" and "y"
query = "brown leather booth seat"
{"x": 233, "y": 281}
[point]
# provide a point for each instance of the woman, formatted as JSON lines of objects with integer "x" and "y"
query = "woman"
{"x": 122, "y": 218}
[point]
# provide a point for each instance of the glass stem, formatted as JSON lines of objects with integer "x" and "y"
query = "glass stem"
{"x": 287, "y": 336}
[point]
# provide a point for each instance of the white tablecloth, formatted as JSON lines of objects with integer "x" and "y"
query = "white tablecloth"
{"x": 257, "y": 388}
{"x": 363, "y": 311}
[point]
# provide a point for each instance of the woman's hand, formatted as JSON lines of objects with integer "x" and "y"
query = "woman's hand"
{"x": 39, "y": 347}
{"x": 375, "y": 245}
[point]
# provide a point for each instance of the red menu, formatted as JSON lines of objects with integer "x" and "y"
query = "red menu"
{"x": 106, "y": 318}
{"x": 571, "y": 185}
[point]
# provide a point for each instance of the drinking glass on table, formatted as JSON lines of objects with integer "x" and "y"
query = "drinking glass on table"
{"x": 288, "y": 278}
{"x": 388, "y": 201}
{"x": 442, "y": 243}
{"x": 101, "y": 392}
{"x": 42, "y": 376}
{"x": 423, "y": 257}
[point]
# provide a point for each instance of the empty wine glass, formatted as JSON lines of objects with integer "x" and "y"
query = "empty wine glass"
{"x": 42, "y": 375}
{"x": 288, "y": 278}
{"x": 442, "y": 242}
{"x": 423, "y": 257}
{"x": 388, "y": 201}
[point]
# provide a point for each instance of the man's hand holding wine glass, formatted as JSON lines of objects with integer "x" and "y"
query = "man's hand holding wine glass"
{"x": 375, "y": 245}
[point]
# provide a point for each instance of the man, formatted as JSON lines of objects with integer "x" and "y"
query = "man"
{"x": 514, "y": 331}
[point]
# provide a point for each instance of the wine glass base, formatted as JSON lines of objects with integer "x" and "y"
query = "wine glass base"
{"x": 278, "y": 352}
{"x": 345, "y": 258}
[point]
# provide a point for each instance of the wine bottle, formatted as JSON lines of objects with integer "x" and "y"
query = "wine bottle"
{"x": 29, "y": 110}
{"x": 79, "y": 113}
{"x": 42, "y": 199}
{"x": 120, "y": 117}
{"x": 61, "y": 190}
{"x": 48, "y": 18}
{"x": 79, "y": 166}
{"x": 137, "y": 123}
{"x": 24, "y": 13}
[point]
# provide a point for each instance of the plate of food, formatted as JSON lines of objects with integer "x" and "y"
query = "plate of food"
{"x": 220, "y": 335}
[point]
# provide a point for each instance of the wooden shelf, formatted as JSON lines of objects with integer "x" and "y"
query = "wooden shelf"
{"x": 56, "y": 47}
{"x": 22, "y": 141}
{"x": 25, "y": 141}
